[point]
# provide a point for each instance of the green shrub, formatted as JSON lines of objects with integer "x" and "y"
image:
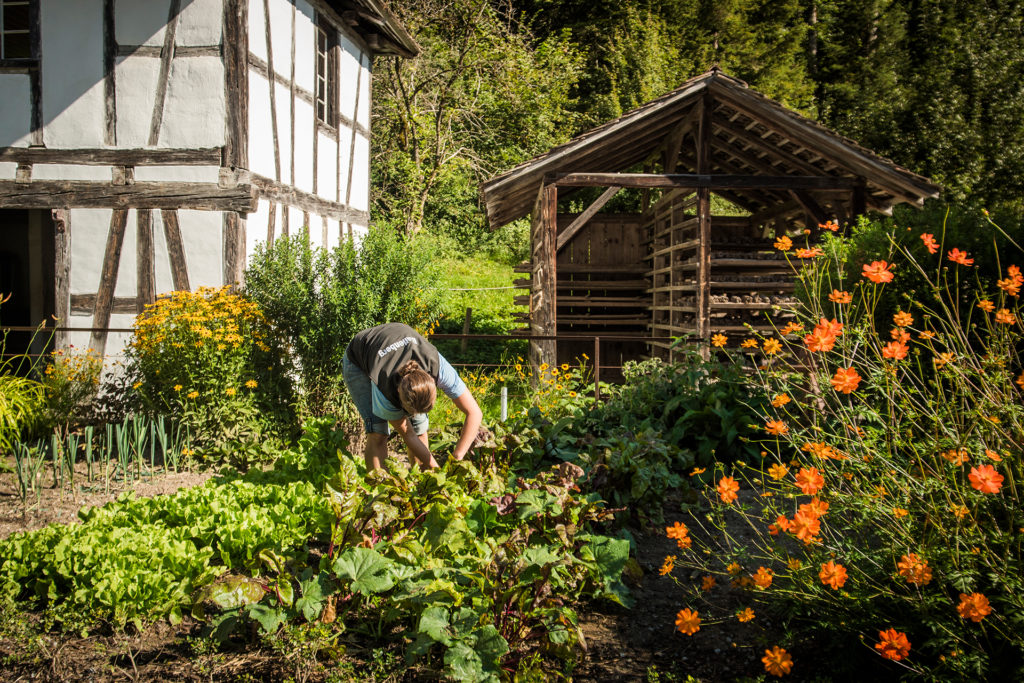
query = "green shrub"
{"x": 201, "y": 357}
{"x": 317, "y": 300}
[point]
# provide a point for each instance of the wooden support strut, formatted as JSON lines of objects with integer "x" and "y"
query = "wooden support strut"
{"x": 587, "y": 214}
{"x": 108, "y": 280}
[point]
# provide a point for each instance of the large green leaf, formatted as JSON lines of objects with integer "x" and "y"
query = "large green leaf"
{"x": 476, "y": 658}
{"x": 367, "y": 569}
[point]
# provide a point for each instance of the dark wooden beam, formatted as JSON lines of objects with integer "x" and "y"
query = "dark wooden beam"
{"x": 810, "y": 206}
{"x": 234, "y": 249}
{"x": 208, "y": 156}
{"x": 581, "y": 220}
{"x": 86, "y": 303}
{"x": 166, "y": 56}
{"x": 35, "y": 76}
{"x": 236, "y": 82}
{"x": 109, "y": 70}
{"x": 290, "y": 196}
{"x": 696, "y": 180}
{"x": 145, "y": 268}
{"x": 108, "y": 280}
{"x": 62, "y": 273}
{"x": 49, "y": 194}
{"x": 175, "y": 250}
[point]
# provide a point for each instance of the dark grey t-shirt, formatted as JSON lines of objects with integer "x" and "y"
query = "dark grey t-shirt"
{"x": 379, "y": 352}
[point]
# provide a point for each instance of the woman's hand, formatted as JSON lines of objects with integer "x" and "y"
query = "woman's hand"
{"x": 471, "y": 427}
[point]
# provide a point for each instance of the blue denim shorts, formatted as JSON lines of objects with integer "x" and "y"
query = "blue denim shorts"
{"x": 360, "y": 388}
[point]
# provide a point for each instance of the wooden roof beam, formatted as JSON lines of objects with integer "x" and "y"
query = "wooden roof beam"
{"x": 694, "y": 180}
{"x": 585, "y": 217}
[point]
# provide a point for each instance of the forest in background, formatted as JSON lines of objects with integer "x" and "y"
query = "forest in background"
{"x": 934, "y": 85}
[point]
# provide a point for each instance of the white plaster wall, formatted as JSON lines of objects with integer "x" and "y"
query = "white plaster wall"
{"x": 257, "y": 34}
{"x": 261, "y": 128}
{"x": 79, "y": 340}
{"x": 363, "y": 113}
{"x": 360, "y": 197}
{"x": 8, "y": 169}
{"x": 72, "y": 43}
{"x": 71, "y": 172}
{"x": 15, "y": 110}
{"x": 281, "y": 36}
{"x": 305, "y": 46}
{"x": 117, "y": 341}
{"x": 89, "y": 228}
{"x": 127, "y": 274}
{"x": 284, "y": 117}
{"x": 349, "y": 73}
{"x": 195, "y": 109}
{"x": 164, "y": 281}
{"x": 200, "y": 23}
{"x": 135, "y": 80}
{"x": 333, "y": 233}
{"x": 183, "y": 174}
{"x": 303, "y": 146}
{"x": 327, "y": 171}
{"x": 202, "y": 233}
{"x": 140, "y": 23}
{"x": 256, "y": 228}
{"x": 295, "y": 222}
{"x": 345, "y": 140}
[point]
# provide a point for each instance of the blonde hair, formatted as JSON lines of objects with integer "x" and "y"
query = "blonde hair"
{"x": 416, "y": 389}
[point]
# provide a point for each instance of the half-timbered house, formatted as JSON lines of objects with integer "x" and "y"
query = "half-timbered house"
{"x": 149, "y": 145}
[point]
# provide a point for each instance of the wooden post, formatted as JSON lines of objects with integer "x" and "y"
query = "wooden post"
{"x": 858, "y": 200}
{"x": 597, "y": 368}
{"x": 543, "y": 283}
{"x": 704, "y": 226}
{"x": 62, "y": 273}
{"x": 464, "y": 343}
{"x": 145, "y": 269}
{"x": 108, "y": 280}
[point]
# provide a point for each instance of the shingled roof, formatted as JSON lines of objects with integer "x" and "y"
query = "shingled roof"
{"x": 751, "y": 135}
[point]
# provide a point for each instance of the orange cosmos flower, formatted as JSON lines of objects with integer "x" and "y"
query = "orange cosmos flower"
{"x": 833, "y": 575}
{"x": 992, "y": 455}
{"x": 698, "y": 470}
{"x": 763, "y": 578}
{"x": 957, "y": 256}
{"x": 771, "y": 346}
{"x": 1003, "y": 316}
{"x": 783, "y": 523}
{"x": 914, "y": 569}
{"x": 794, "y": 564}
{"x": 734, "y": 568}
{"x": 986, "y": 305}
{"x": 783, "y": 243}
{"x": 985, "y": 479}
{"x": 746, "y": 615}
{"x": 813, "y": 252}
{"x": 776, "y": 427}
{"x": 930, "y": 243}
{"x": 900, "y": 335}
{"x": 900, "y": 513}
{"x": 845, "y": 380}
{"x": 749, "y": 344}
{"x": 816, "y": 507}
{"x": 668, "y": 565}
{"x": 707, "y": 583}
{"x": 926, "y": 334}
{"x": 778, "y": 471}
{"x": 941, "y": 359}
{"x": 781, "y": 400}
{"x": 1012, "y": 284}
{"x": 903, "y": 319}
{"x": 777, "y": 661}
{"x": 727, "y": 488}
{"x": 974, "y": 607}
{"x": 838, "y": 297}
{"x": 957, "y": 457}
{"x": 805, "y": 526}
{"x": 684, "y": 543}
{"x": 1020, "y": 381}
{"x": 893, "y": 644}
{"x": 878, "y": 272}
{"x": 809, "y": 480}
{"x": 719, "y": 340}
{"x": 895, "y": 350}
{"x": 677, "y": 530}
{"x": 792, "y": 327}
{"x": 688, "y": 621}
{"x": 829, "y": 225}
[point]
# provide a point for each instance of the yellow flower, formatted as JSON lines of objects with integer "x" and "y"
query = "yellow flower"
{"x": 251, "y": 384}
{"x": 136, "y": 385}
{"x": 177, "y": 387}
{"x": 565, "y": 366}
{"x": 771, "y": 346}
{"x": 572, "y": 394}
{"x": 719, "y": 340}
{"x": 749, "y": 344}
{"x": 193, "y": 394}
{"x": 794, "y": 564}
{"x": 230, "y": 391}
{"x": 746, "y": 615}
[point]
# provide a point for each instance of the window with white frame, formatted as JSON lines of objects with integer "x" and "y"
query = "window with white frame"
{"x": 16, "y": 29}
{"x": 326, "y": 73}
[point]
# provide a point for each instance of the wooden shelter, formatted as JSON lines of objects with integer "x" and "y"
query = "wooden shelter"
{"x": 673, "y": 268}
